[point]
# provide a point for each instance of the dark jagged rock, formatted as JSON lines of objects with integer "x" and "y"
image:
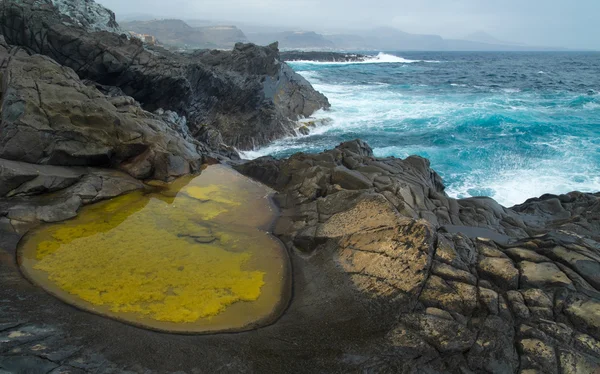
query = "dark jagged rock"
{"x": 32, "y": 194}
{"x": 21, "y": 179}
{"x": 89, "y": 14}
{"x": 482, "y": 288}
{"x": 321, "y": 56}
{"x": 262, "y": 105}
{"x": 247, "y": 94}
{"x": 50, "y": 117}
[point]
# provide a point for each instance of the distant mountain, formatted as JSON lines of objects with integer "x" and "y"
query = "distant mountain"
{"x": 223, "y": 36}
{"x": 200, "y": 33}
{"x": 204, "y": 22}
{"x": 387, "y": 39}
{"x": 128, "y": 17}
{"x": 483, "y": 37}
{"x": 347, "y": 41}
{"x": 177, "y": 33}
{"x": 293, "y": 40}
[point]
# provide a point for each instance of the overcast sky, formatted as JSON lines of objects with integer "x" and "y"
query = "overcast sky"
{"x": 559, "y": 23}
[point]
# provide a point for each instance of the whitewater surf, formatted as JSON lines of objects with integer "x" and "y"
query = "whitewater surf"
{"x": 506, "y": 125}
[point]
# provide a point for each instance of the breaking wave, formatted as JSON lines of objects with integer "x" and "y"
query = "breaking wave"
{"x": 381, "y": 58}
{"x": 490, "y": 123}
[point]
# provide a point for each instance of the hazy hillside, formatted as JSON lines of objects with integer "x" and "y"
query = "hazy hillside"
{"x": 483, "y": 37}
{"x": 293, "y": 39}
{"x": 178, "y": 33}
{"x": 201, "y": 33}
{"x": 385, "y": 39}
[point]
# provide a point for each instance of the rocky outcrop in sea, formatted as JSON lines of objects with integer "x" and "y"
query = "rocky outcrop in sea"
{"x": 389, "y": 273}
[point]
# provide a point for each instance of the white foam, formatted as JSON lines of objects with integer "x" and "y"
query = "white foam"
{"x": 378, "y": 110}
{"x": 310, "y": 75}
{"x": 591, "y": 106}
{"x": 265, "y": 151}
{"x": 290, "y": 145}
{"x": 518, "y": 178}
{"x": 381, "y": 58}
{"x": 364, "y": 108}
{"x": 512, "y": 187}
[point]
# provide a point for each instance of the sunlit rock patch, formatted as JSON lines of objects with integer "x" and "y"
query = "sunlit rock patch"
{"x": 190, "y": 256}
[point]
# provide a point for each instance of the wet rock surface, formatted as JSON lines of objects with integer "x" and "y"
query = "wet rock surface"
{"x": 482, "y": 288}
{"x": 51, "y": 194}
{"x": 247, "y": 94}
{"x": 50, "y": 117}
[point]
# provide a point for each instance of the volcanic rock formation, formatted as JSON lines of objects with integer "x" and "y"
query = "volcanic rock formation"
{"x": 452, "y": 285}
{"x": 50, "y": 117}
{"x": 247, "y": 94}
{"x": 88, "y": 14}
{"x": 389, "y": 275}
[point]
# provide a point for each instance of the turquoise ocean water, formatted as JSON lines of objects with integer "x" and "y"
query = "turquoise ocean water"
{"x": 506, "y": 125}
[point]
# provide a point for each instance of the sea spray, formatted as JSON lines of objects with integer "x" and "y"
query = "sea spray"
{"x": 490, "y": 123}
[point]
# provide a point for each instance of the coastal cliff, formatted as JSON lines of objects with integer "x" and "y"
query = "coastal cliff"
{"x": 250, "y": 105}
{"x": 389, "y": 273}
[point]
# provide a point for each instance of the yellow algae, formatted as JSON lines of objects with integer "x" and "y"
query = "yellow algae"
{"x": 192, "y": 257}
{"x": 120, "y": 274}
{"x": 101, "y": 217}
{"x": 211, "y": 193}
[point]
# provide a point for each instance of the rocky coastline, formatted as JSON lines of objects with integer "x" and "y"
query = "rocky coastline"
{"x": 246, "y": 94}
{"x": 389, "y": 273}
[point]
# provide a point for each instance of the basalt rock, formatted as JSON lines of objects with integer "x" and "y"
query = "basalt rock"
{"x": 247, "y": 94}
{"x": 32, "y": 194}
{"x": 50, "y": 117}
{"x": 89, "y": 14}
{"x": 466, "y": 285}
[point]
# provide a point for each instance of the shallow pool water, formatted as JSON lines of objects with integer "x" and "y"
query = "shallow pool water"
{"x": 190, "y": 256}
